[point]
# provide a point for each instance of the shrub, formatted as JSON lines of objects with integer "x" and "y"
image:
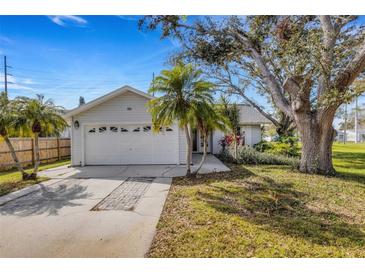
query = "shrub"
{"x": 247, "y": 155}
{"x": 263, "y": 146}
{"x": 287, "y": 146}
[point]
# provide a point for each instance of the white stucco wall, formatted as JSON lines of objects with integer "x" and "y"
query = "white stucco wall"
{"x": 252, "y": 136}
{"x": 115, "y": 111}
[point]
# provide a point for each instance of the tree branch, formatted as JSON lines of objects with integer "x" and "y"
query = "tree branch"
{"x": 268, "y": 77}
{"x": 330, "y": 33}
{"x": 351, "y": 71}
{"x": 240, "y": 92}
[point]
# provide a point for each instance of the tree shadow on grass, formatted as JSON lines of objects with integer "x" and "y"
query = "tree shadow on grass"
{"x": 48, "y": 200}
{"x": 278, "y": 207}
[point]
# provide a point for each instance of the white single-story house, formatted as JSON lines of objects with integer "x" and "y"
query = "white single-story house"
{"x": 351, "y": 135}
{"x": 115, "y": 129}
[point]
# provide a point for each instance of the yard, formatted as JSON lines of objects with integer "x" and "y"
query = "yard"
{"x": 267, "y": 211}
{"x": 11, "y": 180}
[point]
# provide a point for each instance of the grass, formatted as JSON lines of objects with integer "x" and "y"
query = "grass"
{"x": 349, "y": 159}
{"x": 267, "y": 211}
{"x": 11, "y": 180}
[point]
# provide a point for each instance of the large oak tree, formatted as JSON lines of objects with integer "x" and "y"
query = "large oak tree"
{"x": 306, "y": 65}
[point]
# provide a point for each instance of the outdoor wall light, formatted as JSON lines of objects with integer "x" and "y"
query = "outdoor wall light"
{"x": 76, "y": 124}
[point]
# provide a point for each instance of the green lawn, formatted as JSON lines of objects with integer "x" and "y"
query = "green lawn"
{"x": 349, "y": 159}
{"x": 267, "y": 211}
{"x": 11, "y": 180}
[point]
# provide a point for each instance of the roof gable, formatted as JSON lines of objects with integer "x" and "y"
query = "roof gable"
{"x": 105, "y": 98}
{"x": 250, "y": 115}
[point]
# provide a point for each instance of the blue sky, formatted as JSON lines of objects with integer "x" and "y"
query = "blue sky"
{"x": 64, "y": 57}
{"x": 67, "y": 57}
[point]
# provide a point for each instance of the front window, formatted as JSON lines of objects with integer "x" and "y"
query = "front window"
{"x": 146, "y": 128}
{"x": 113, "y": 129}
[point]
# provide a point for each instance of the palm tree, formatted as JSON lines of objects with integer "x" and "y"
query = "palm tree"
{"x": 183, "y": 92}
{"x": 8, "y": 118}
{"x": 40, "y": 116}
{"x": 207, "y": 119}
{"x": 231, "y": 112}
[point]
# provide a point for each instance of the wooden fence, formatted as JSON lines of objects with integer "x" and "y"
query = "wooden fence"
{"x": 50, "y": 149}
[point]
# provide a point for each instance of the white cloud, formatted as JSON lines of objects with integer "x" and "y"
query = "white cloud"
{"x": 19, "y": 87}
{"x": 65, "y": 20}
{"x": 6, "y": 40}
{"x": 16, "y": 84}
{"x": 28, "y": 81}
{"x": 129, "y": 17}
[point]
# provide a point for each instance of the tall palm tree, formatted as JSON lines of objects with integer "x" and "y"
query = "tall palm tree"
{"x": 207, "y": 118}
{"x": 8, "y": 118}
{"x": 40, "y": 116}
{"x": 182, "y": 91}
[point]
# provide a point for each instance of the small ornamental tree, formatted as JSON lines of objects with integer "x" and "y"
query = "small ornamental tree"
{"x": 231, "y": 112}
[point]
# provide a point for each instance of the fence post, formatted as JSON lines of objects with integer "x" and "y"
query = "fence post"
{"x": 58, "y": 149}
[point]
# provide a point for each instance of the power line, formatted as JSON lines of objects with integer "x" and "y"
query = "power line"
{"x": 41, "y": 78}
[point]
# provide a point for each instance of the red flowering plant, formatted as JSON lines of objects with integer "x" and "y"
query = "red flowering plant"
{"x": 228, "y": 140}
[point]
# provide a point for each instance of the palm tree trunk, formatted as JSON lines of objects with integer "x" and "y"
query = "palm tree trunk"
{"x": 15, "y": 157}
{"x": 188, "y": 150}
{"x": 191, "y": 145}
{"x": 36, "y": 150}
{"x": 205, "y": 152}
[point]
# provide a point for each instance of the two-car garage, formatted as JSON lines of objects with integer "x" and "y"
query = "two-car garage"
{"x": 116, "y": 129}
{"x": 130, "y": 144}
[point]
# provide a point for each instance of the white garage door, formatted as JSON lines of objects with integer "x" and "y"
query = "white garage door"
{"x": 130, "y": 144}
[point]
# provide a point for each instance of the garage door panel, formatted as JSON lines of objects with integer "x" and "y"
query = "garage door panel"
{"x": 129, "y": 144}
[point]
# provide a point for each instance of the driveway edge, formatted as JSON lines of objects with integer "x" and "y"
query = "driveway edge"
{"x": 27, "y": 190}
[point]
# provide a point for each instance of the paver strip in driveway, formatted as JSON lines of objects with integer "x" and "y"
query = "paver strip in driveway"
{"x": 126, "y": 196}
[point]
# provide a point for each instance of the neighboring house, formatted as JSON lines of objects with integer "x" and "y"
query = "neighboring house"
{"x": 116, "y": 129}
{"x": 350, "y": 135}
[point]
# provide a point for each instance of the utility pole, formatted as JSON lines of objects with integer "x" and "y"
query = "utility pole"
{"x": 6, "y": 74}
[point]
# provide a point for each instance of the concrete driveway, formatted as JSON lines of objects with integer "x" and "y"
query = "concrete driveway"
{"x": 211, "y": 164}
{"x": 101, "y": 211}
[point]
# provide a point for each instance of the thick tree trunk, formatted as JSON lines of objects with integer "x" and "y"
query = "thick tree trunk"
{"x": 205, "y": 152}
{"x": 15, "y": 157}
{"x": 317, "y": 137}
{"x": 188, "y": 150}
